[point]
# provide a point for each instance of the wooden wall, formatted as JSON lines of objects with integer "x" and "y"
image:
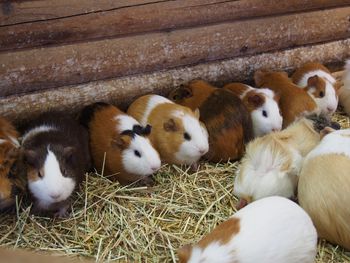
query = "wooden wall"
{"x": 64, "y": 54}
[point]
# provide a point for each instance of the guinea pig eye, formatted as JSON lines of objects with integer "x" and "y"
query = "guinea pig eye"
{"x": 40, "y": 175}
{"x": 321, "y": 94}
{"x": 264, "y": 113}
{"x": 187, "y": 136}
{"x": 137, "y": 153}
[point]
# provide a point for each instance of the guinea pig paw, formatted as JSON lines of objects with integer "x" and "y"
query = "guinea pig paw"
{"x": 62, "y": 212}
{"x": 194, "y": 167}
{"x": 147, "y": 181}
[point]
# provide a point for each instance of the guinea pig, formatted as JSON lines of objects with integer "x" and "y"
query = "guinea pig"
{"x": 273, "y": 162}
{"x": 324, "y": 187}
{"x": 344, "y": 91}
{"x": 129, "y": 155}
{"x": 320, "y": 85}
{"x": 177, "y": 133}
{"x": 273, "y": 229}
{"x": 10, "y": 183}
{"x": 55, "y": 152}
{"x": 262, "y": 105}
{"x": 227, "y": 120}
{"x": 294, "y": 102}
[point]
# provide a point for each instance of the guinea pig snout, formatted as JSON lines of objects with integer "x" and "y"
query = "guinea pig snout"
{"x": 330, "y": 109}
{"x": 55, "y": 195}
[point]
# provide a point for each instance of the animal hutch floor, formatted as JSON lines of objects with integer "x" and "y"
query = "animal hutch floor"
{"x": 115, "y": 223}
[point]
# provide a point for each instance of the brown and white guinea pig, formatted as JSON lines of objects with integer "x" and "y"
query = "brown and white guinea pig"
{"x": 262, "y": 105}
{"x": 320, "y": 85}
{"x": 344, "y": 91}
{"x": 10, "y": 183}
{"x": 294, "y": 102}
{"x": 177, "y": 133}
{"x": 272, "y": 163}
{"x": 227, "y": 120}
{"x": 129, "y": 155}
{"x": 324, "y": 187}
{"x": 273, "y": 229}
{"x": 55, "y": 152}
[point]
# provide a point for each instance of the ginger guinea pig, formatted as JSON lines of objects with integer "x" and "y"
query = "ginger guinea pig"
{"x": 10, "y": 183}
{"x": 344, "y": 92}
{"x": 129, "y": 155}
{"x": 55, "y": 151}
{"x": 272, "y": 163}
{"x": 321, "y": 85}
{"x": 324, "y": 187}
{"x": 273, "y": 229}
{"x": 227, "y": 120}
{"x": 262, "y": 105}
{"x": 177, "y": 133}
{"x": 294, "y": 102}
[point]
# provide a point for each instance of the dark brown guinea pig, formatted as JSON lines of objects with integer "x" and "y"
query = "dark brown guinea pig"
{"x": 55, "y": 152}
{"x": 10, "y": 183}
{"x": 227, "y": 120}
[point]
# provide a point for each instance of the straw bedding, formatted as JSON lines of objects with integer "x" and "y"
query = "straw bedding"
{"x": 114, "y": 223}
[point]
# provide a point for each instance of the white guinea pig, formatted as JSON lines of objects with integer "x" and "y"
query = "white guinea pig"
{"x": 321, "y": 85}
{"x": 273, "y": 229}
{"x": 262, "y": 105}
{"x": 177, "y": 134}
{"x": 344, "y": 92}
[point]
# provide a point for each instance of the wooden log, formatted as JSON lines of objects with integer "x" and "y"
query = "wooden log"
{"x": 30, "y": 70}
{"x": 146, "y": 18}
{"x": 122, "y": 91}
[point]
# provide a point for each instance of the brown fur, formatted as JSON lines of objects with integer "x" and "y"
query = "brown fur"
{"x": 107, "y": 144}
{"x": 323, "y": 191}
{"x": 223, "y": 234}
{"x": 226, "y": 118}
{"x": 307, "y": 67}
{"x": 166, "y": 142}
{"x": 294, "y": 102}
{"x": 236, "y": 88}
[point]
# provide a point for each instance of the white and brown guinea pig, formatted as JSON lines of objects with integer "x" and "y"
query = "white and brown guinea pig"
{"x": 344, "y": 92}
{"x": 129, "y": 155}
{"x": 320, "y": 85}
{"x": 227, "y": 120}
{"x": 294, "y": 102}
{"x": 10, "y": 183}
{"x": 55, "y": 151}
{"x": 177, "y": 133}
{"x": 262, "y": 105}
{"x": 324, "y": 187}
{"x": 273, "y": 229}
{"x": 273, "y": 162}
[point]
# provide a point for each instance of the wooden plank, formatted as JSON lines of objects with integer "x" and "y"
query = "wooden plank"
{"x": 147, "y": 18}
{"x": 14, "y": 12}
{"x": 122, "y": 91}
{"x": 30, "y": 70}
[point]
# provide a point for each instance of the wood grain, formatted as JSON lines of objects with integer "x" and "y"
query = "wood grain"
{"x": 38, "y": 69}
{"x": 148, "y": 17}
{"x": 122, "y": 91}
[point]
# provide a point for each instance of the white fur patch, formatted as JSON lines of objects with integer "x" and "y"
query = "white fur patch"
{"x": 53, "y": 187}
{"x": 190, "y": 151}
{"x": 153, "y": 102}
{"x": 14, "y": 141}
{"x": 320, "y": 73}
{"x": 125, "y": 122}
{"x": 2, "y": 141}
{"x": 145, "y": 165}
{"x": 36, "y": 130}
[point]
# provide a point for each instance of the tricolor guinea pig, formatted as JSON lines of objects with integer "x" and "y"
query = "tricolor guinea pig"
{"x": 227, "y": 120}
{"x": 262, "y": 105}
{"x": 294, "y": 102}
{"x": 320, "y": 85}
{"x": 273, "y": 162}
{"x": 273, "y": 229}
{"x": 324, "y": 187}
{"x": 10, "y": 183}
{"x": 177, "y": 133}
{"x": 55, "y": 152}
{"x": 344, "y": 92}
{"x": 120, "y": 143}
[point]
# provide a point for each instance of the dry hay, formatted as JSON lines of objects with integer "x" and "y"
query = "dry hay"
{"x": 110, "y": 222}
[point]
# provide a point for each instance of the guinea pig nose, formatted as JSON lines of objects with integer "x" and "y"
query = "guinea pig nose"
{"x": 202, "y": 151}
{"x": 54, "y": 196}
{"x": 154, "y": 168}
{"x": 330, "y": 109}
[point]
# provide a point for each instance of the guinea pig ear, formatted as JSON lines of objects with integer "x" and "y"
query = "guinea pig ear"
{"x": 170, "y": 126}
{"x": 30, "y": 157}
{"x": 312, "y": 81}
{"x": 326, "y": 131}
{"x": 122, "y": 142}
{"x": 181, "y": 93}
{"x": 184, "y": 253}
{"x": 68, "y": 153}
{"x": 256, "y": 100}
{"x": 197, "y": 113}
